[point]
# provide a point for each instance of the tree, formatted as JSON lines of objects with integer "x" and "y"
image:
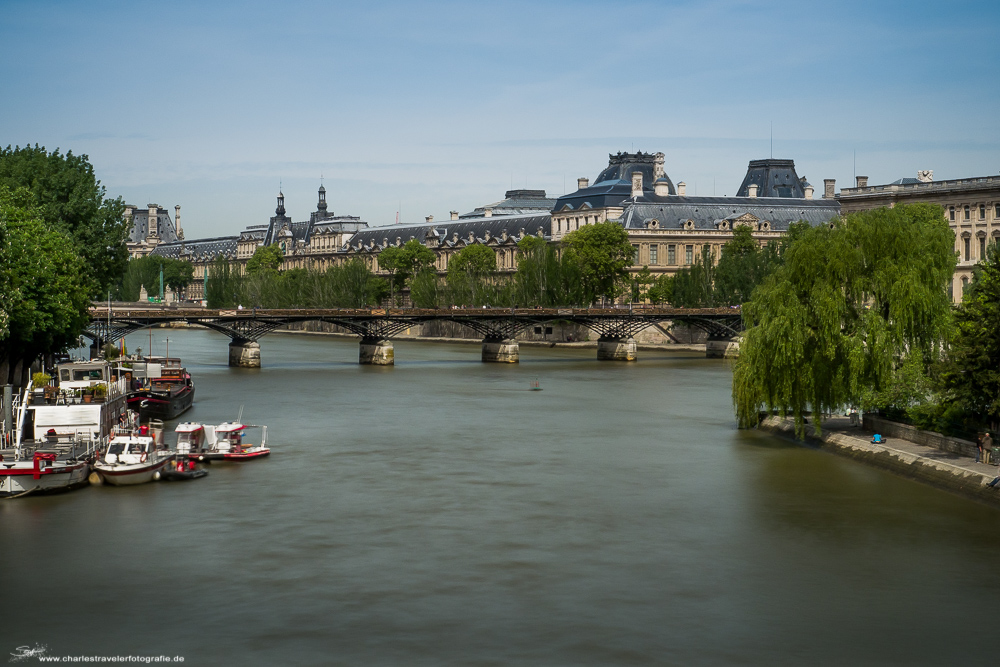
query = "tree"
{"x": 405, "y": 261}
{"x": 222, "y": 288}
{"x": 145, "y": 272}
{"x": 662, "y": 290}
{"x": 266, "y": 258}
{"x": 836, "y": 321}
{"x": 70, "y": 199}
{"x": 603, "y": 253}
{"x": 43, "y": 302}
{"x": 641, "y": 283}
{"x": 693, "y": 286}
{"x": 469, "y": 270}
{"x": 742, "y": 266}
{"x": 970, "y": 376}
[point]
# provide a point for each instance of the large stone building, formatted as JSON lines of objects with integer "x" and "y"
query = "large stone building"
{"x": 151, "y": 227}
{"x": 971, "y": 206}
{"x": 668, "y": 228}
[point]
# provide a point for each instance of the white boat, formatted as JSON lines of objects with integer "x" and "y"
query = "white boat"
{"x": 57, "y": 433}
{"x": 224, "y": 442}
{"x": 132, "y": 459}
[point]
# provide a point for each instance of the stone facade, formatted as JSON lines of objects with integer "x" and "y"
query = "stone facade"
{"x": 971, "y": 206}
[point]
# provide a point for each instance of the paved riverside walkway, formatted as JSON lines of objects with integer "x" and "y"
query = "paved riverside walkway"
{"x": 946, "y": 470}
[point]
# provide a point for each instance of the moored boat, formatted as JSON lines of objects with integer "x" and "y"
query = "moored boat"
{"x": 132, "y": 459}
{"x": 182, "y": 471}
{"x": 224, "y": 442}
{"x": 163, "y": 388}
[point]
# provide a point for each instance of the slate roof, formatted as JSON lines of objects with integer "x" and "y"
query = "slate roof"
{"x": 707, "y": 212}
{"x": 773, "y": 178}
{"x": 198, "y": 250}
{"x": 614, "y": 185}
{"x": 140, "y": 223}
{"x": 452, "y": 233}
{"x": 516, "y": 202}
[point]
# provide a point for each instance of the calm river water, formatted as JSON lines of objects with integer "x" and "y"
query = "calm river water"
{"x": 438, "y": 512}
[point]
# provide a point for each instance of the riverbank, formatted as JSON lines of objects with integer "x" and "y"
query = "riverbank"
{"x": 945, "y": 470}
{"x": 678, "y": 347}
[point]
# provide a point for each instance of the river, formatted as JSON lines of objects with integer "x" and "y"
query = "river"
{"x": 438, "y": 512}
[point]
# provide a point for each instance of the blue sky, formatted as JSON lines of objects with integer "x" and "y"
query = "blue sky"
{"x": 429, "y": 107}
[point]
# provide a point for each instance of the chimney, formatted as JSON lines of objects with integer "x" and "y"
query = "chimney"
{"x": 861, "y": 181}
{"x": 429, "y": 218}
{"x": 636, "y": 184}
{"x": 658, "y": 171}
{"x": 809, "y": 192}
{"x": 682, "y": 188}
{"x": 828, "y": 188}
{"x": 488, "y": 212}
{"x": 177, "y": 221}
{"x": 752, "y": 190}
{"x": 454, "y": 215}
{"x": 661, "y": 187}
{"x": 582, "y": 183}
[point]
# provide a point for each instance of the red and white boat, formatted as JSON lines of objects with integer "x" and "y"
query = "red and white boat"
{"x": 132, "y": 459}
{"x": 44, "y": 472}
{"x": 224, "y": 442}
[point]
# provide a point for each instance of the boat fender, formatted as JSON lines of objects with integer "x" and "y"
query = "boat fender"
{"x": 95, "y": 479}
{"x": 142, "y": 459}
{"x": 156, "y": 476}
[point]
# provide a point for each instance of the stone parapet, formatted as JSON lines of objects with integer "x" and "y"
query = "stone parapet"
{"x": 891, "y": 429}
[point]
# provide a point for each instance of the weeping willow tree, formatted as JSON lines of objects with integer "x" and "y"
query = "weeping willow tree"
{"x": 852, "y": 305}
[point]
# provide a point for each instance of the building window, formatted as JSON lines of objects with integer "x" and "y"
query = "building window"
{"x": 982, "y": 248}
{"x": 951, "y": 213}
{"x": 967, "y": 256}
{"x": 654, "y": 254}
{"x": 671, "y": 255}
{"x": 635, "y": 253}
{"x": 965, "y": 284}
{"x": 689, "y": 255}
{"x": 996, "y": 213}
{"x": 968, "y": 213}
{"x": 982, "y": 211}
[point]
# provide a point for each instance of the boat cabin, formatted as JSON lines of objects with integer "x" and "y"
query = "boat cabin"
{"x": 83, "y": 374}
{"x": 192, "y": 437}
{"x": 128, "y": 449}
{"x": 230, "y": 437}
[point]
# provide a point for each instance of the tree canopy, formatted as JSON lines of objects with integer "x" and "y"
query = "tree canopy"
{"x": 69, "y": 198}
{"x": 970, "y": 377}
{"x": 845, "y": 311}
{"x": 145, "y": 271}
{"x": 603, "y": 254}
{"x": 43, "y": 301}
{"x": 405, "y": 261}
{"x": 265, "y": 258}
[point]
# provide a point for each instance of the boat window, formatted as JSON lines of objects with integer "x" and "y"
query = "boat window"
{"x": 116, "y": 448}
{"x": 136, "y": 448}
{"x": 92, "y": 374}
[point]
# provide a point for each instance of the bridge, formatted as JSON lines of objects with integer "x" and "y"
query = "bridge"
{"x": 616, "y": 327}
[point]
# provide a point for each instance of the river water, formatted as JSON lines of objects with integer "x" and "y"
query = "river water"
{"x": 438, "y": 512}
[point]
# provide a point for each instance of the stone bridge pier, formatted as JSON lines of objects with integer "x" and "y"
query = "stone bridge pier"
{"x": 244, "y": 354}
{"x": 377, "y": 352}
{"x": 616, "y": 348}
{"x": 721, "y": 347}
{"x": 501, "y": 350}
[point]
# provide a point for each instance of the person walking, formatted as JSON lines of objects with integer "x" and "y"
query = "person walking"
{"x": 987, "y": 444}
{"x": 979, "y": 448}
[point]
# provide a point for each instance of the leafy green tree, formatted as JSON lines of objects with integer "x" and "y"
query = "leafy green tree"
{"x": 70, "y": 199}
{"x": 426, "y": 290}
{"x": 223, "y": 288}
{"x": 265, "y": 258}
{"x": 43, "y": 301}
{"x": 641, "y": 283}
{"x": 145, "y": 272}
{"x": 470, "y": 274}
{"x": 742, "y": 266}
{"x": 602, "y": 253}
{"x": 405, "y": 261}
{"x": 852, "y": 300}
{"x": 662, "y": 290}
{"x": 693, "y": 287}
{"x": 356, "y": 286}
{"x": 970, "y": 375}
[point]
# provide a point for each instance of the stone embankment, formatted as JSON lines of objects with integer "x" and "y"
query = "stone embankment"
{"x": 947, "y": 463}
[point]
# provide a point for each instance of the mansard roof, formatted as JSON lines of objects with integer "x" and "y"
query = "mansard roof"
{"x": 453, "y": 233}
{"x": 773, "y": 178}
{"x": 199, "y": 250}
{"x": 614, "y": 185}
{"x": 707, "y": 212}
{"x": 140, "y": 226}
{"x": 516, "y": 202}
